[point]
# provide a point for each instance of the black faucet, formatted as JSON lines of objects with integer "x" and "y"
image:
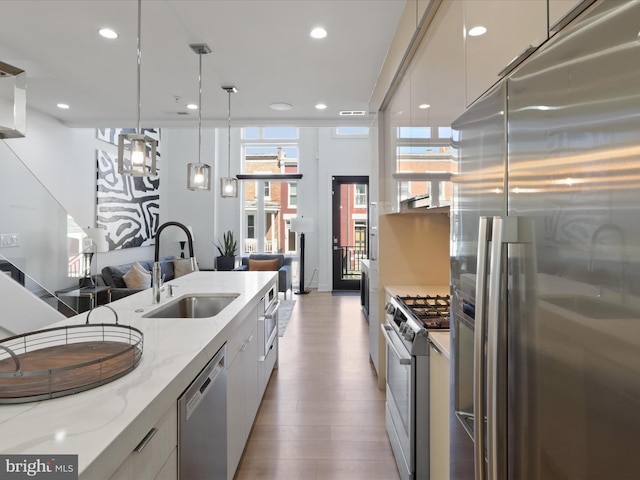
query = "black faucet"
{"x": 157, "y": 275}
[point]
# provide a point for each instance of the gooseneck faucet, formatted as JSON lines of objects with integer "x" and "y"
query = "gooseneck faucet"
{"x": 157, "y": 272}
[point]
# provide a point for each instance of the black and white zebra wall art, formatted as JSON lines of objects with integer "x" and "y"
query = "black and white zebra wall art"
{"x": 128, "y": 208}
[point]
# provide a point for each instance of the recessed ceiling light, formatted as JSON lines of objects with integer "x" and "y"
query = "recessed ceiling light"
{"x": 477, "y": 31}
{"x": 192, "y": 106}
{"x": 424, "y": 106}
{"x": 108, "y": 33}
{"x": 281, "y": 106}
{"x": 318, "y": 32}
{"x": 63, "y": 106}
{"x": 321, "y": 106}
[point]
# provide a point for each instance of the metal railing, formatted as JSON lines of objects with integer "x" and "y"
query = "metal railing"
{"x": 251, "y": 246}
{"x": 350, "y": 257}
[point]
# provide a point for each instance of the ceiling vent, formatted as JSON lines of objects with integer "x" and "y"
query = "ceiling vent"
{"x": 352, "y": 113}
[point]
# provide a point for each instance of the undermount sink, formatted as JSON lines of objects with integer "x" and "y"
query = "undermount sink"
{"x": 592, "y": 307}
{"x": 194, "y": 306}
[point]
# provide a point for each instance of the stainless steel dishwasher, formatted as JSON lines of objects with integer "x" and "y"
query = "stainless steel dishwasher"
{"x": 202, "y": 423}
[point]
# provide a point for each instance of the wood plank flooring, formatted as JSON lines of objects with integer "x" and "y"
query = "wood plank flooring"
{"x": 322, "y": 416}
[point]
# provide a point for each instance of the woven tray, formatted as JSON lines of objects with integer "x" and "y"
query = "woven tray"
{"x": 62, "y": 361}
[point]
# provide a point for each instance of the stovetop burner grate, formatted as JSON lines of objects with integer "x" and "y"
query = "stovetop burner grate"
{"x": 431, "y": 310}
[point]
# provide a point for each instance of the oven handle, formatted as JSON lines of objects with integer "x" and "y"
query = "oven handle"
{"x": 403, "y": 360}
{"x": 272, "y": 310}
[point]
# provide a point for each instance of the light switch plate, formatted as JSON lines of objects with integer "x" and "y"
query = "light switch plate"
{"x": 9, "y": 240}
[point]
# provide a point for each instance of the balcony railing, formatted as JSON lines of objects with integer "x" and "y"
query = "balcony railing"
{"x": 350, "y": 257}
{"x": 251, "y": 246}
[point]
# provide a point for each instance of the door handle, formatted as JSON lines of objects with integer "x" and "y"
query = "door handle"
{"x": 479, "y": 378}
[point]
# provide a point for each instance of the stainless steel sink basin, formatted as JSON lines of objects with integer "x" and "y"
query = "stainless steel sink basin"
{"x": 194, "y": 306}
{"x": 592, "y": 307}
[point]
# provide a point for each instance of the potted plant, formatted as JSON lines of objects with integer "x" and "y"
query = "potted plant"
{"x": 227, "y": 249}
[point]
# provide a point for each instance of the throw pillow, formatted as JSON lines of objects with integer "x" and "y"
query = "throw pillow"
{"x": 263, "y": 265}
{"x": 182, "y": 266}
{"x": 137, "y": 277}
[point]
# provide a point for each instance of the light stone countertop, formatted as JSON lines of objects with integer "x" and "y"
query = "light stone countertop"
{"x": 442, "y": 340}
{"x": 103, "y": 425}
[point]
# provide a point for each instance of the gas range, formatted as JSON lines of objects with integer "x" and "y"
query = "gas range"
{"x": 409, "y": 320}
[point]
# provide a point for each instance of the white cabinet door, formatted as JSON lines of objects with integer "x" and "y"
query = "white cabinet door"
{"x": 559, "y": 8}
{"x": 266, "y": 366}
{"x": 152, "y": 457}
{"x": 170, "y": 468}
{"x": 243, "y": 398}
{"x": 251, "y": 377}
{"x": 439, "y": 415}
{"x": 511, "y": 27}
{"x": 236, "y": 408}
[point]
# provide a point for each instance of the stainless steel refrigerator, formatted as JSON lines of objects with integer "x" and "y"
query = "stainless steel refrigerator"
{"x": 545, "y": 267}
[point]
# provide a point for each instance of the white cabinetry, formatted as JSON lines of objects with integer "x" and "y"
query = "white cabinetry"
{"x": 511, "y": 28}
{"x": 439, "y": 407}
{"x": 242, "y": 389}
{"x": 558, "y": 9}
{"x": 155, "y": 457}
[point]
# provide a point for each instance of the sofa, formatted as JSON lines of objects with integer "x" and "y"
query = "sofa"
{"x": 113, "y": 276}
{"x": 278, "y": 262}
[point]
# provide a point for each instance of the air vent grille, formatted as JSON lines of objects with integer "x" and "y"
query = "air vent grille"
{"x": 352, "y": 113}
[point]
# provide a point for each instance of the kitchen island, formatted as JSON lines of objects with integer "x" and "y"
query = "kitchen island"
{"x": 103, "y": 425}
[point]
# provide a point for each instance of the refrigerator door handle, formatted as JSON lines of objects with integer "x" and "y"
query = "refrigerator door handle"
{"x": 479, "y": 365}
{"x": 493, "y": 338}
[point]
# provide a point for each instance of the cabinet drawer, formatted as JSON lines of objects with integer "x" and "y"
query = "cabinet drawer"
{"x": 239, "y": 338}
{"x": 147, "y": 460}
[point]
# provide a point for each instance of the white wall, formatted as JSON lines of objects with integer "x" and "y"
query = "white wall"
{"x": 337, "y": 157}
{"x": 195, "y": 209}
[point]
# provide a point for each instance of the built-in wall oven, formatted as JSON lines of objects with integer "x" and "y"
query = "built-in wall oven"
{"x": 268, "y": 321}
{"x": 406, "y": 331}
{"x": 268, "y": 335}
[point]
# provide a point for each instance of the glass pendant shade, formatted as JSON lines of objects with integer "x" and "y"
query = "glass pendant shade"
{"x": 13, "y": 121}
{"x": 137, "y": 152}
{"x": 137, "y": 155}
{"x": 198, "y": 176}
{"x": 229, "y": 187}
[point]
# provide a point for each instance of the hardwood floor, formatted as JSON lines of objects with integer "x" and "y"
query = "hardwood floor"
{"x": 322, "y": 416}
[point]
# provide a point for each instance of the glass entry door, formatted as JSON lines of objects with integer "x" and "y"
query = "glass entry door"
{"x": 350, "y": 230}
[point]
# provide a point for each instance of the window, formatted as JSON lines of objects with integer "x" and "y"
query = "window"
{"x": 268, "y": 204}
{"x": 292, "y": 238}
{"x": 293, "y": 195}
{"x": 251, "y": 226}
{"x": 360, "y": 199}
{"x": 360, "y": 235}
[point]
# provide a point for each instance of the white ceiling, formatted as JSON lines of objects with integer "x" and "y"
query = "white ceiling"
{"x": 260, "y": 46}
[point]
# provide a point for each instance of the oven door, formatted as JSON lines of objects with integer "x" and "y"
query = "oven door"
{"x": 268, "y": 328}
{"x": 399, "y": 401}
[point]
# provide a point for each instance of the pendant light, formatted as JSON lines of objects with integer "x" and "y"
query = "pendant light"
{"x": 199, "y": 174}
{"x": 229, "y": 185}
{"x": 137, "y": 152}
